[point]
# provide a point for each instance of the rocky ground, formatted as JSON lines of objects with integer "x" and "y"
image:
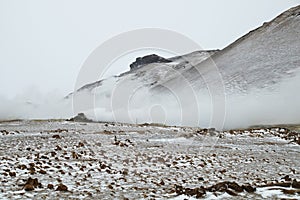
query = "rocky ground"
{"x": 75, "y": 160}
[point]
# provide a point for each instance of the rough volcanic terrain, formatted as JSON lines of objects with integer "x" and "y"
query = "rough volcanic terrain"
{"x": 76, "y": 160}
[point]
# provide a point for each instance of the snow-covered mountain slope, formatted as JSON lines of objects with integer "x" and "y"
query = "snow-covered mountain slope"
{"x": 150, "y": 74}
{"x": 258, "y": 62}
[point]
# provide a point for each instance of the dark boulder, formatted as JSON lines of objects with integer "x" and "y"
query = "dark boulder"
{"x": 56, "y": 136}
{"x": 296, "y": 184}
{"x": 219, "y": 187}
{"x": 28, "y": 187}
{"x": 50, "y": 186}
{"x": 249, "y": 188}
{"x": 62, "y": 187}
{"x": 31, "y": 184}
{"x": 12, "y": 174}
{"x": 234, "y": 186}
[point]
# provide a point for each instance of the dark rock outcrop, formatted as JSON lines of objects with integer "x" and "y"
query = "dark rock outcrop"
{"x": 232, "y": 188}
{"x": 153, "y": 58}
{"x": 248, "y": 188}
{"x": 80, "y": 118}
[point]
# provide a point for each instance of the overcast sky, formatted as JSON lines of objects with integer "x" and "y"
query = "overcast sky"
{"x": 44, "y": 43}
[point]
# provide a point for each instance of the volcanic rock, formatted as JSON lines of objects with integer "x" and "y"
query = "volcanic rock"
{"x": 80, "y": 118}
{"x": 50, "y": 186}
{"x": 62, "y": 187}
{"x": 31, "y": 184}
{"x": 153, "y": 58}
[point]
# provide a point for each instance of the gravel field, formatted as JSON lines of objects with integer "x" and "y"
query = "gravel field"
{"x": 73, "y": 160}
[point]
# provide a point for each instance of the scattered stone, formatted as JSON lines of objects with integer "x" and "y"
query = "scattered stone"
{"x": 62, "y": 187}
{"x": 58, "y": 148}
{"x": 31, "y": 168}
{"x": 28, "y": 187}
{"x": 31, "y": 165}
{"x": 110, "y": 186}
{"x": 13, "y": 174}
{"x": 56, "y": 136}
{"x": 287, "y": 178}
{"x": 50, "y": 186}
{"x": 74, "y": 155}
{"x": 52, "y": 153}
{"x": 150, "y": 169}
{"x": 80, "y": 144}
{"x": 5, "y": 132}
{"x": 22, "y": 167}
{"x": 31, "y": 184}
{"x": 126, "y": 143}
{"x": 296, "y": 184}
{"x": 44, "y": 157}
{"x": 42, "y": 172}
{"x": 129, "y": 141}
{"x": 106, "y": 132}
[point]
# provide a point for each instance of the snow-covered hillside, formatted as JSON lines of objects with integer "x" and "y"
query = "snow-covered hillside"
{"x": 151, "y": 74}
{"x": 259, "y": 59}
{"x": 252, "y": 76}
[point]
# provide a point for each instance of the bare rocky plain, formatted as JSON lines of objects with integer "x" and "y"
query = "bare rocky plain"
{"x": 56, "y": 159}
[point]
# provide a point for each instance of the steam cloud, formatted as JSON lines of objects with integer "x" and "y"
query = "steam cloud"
{"x": 279, "y": 105}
